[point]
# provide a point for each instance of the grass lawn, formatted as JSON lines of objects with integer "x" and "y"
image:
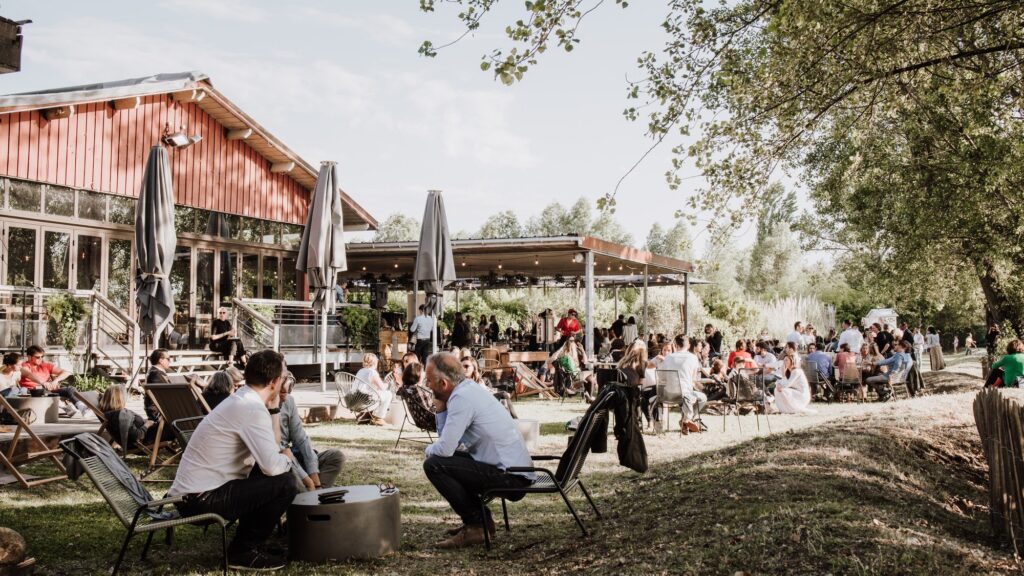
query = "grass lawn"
{"x": 856, "y": 489}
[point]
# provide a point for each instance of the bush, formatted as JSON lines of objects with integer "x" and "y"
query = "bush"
{"x": 91, "y": 383}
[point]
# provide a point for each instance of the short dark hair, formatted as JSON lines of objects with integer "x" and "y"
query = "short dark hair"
{"x": 11, "y": 358}
{"x": 681, "y": 341}
{"x": 263, "y": 368}
{"x": 412, "y": 374}
{"x": 156, "y": 355}
{"x": 34, "y": 349}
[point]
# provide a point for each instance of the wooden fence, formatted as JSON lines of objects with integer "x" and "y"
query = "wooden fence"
{"x": 999, "y": 416}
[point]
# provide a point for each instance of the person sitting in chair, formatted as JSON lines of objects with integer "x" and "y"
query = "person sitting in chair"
{"x": 688, "y": 367}
{"x": 467, "y": 414}
{"x": 472, "y": 370}
{"x": 224, "y": 340}
{"x": 570, "y": 358}
{"x": 126, "y": 427}
{"x": 217, "y": 473}
{"x": 370, "y": 381}
{"x": 314, "y": 470}
{"x": 37, "y": 373}
{"x": 897, "y": 363}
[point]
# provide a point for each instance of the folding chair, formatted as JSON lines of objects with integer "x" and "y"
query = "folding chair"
{"x": 849, "y": 381}
{"x": 751, "y": 389}
{"x": 183, "y": 429}
{"x": 816, "y": 381}
{"x": 898, "y": 382}
{"x": 420, "y": 415}
{"x": 174, "y": 401}
{"x": 564, "y": 479}
{"x": 11, "y": 460}
{"x": 133, "y": 505}
{"x": 669, "y": 392}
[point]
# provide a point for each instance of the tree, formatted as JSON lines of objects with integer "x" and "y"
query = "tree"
{"x": 504, "y": 224}
{"x": 677, "y": 242}
{"x": 607, "y": 228}
{"x": 775, "y": 256}
{"x": 398, "y": 228}
{"x": 929, "y": 90}
{"x": 656, "y": 239}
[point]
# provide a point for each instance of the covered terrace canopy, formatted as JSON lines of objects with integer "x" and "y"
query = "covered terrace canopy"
{"x": 520, "y": 262}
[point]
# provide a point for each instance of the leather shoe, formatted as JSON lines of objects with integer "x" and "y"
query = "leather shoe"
{"x": 489, "y": 523}
{"x": 468, "y": 536}
{"x": 692, "y": 426}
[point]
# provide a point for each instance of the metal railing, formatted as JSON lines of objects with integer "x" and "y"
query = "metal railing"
{"x": 115, "y": 337}
{"x": 354, "y": 326}
{"x": 108, "y": 333}
{"x": 254, "y": 328}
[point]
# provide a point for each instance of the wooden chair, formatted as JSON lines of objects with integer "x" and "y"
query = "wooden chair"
{"x": 174, "y": 401}
{"x": 564, "y": 479}
{"x": 11, "y": 460}
{"x": 129, "y": 500}
{"x": 849, "y": 382}
{"x": 898, "y": 382}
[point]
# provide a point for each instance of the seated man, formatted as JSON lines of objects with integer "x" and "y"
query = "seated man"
{"x": 467, "y": 414}
{"x": 898, "y": 363}
{"x": 37, "y": 373}
{"x": 820, "y": 363}
{"x": 314, "y": 470}
{"x": 688, "y": 367}
{"x": 159, "y": 363}
{"x": 217, "y": 474}
{"x": 765, "y": 360}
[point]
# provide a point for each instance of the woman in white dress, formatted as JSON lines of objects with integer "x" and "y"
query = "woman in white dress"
{"x": 932, "y": 342}
{"x": 371, "y": 382}
{"x": 793, "y": 392}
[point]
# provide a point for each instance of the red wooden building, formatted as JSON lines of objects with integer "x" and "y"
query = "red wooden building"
{"x": 71, "y": 165}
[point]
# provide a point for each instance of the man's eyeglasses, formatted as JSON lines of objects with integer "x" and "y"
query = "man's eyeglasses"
{"x": 39, "y": 357}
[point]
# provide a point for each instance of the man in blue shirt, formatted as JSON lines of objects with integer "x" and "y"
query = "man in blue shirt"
{"x": 898, "y": 364}
{"x": 819, "y": 362}
{"x": 468, "y": 414}
{"x": 421, "y": 328}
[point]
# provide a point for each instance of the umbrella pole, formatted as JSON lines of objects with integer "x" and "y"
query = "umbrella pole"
{"x": 323, "y": 343}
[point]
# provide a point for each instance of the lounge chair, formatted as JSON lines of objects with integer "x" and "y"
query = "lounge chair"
{"x": 11, "y": 460}
{"x": 133, "y": 505}
{"x": 174, "y": 401}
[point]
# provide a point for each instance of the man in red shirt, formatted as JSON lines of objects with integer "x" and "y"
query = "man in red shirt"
{"x": 568, "y": 326}
{"x": 37, "y": 373}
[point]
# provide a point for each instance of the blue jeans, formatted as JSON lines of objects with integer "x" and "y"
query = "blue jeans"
{"x": 460, "y": 480}
{"x": 14, "y": 391}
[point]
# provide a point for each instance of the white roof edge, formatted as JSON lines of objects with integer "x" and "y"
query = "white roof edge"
{"x": 158, "y": 83}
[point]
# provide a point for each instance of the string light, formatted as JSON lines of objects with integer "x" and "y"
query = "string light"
{"x": 536, "y": 261}
{"x": 499, "y": 265}
{"x": 364, "y": 268}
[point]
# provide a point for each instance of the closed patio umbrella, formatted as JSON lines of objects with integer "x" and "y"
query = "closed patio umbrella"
{"x": 322, "y": 250}
{"x": 435, "y": 266}
{"x": 155, "y": 242}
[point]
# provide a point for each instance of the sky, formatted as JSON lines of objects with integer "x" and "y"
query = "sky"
{"x": 342, "y": 81}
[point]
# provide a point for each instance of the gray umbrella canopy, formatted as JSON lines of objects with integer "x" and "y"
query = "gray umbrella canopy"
{"x": 435, "y": 266}
{"x": 155, "y": 242}
{"x": 322, "y": 250}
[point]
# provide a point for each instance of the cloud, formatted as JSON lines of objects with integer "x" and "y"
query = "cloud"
{"x": 232, "y": 10}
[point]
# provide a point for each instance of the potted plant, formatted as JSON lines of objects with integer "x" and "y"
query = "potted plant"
{"x": 67, "y": 312}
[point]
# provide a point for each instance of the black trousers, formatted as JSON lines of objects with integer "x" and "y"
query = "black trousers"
{"x": 461, "y": 480}
{"x": 423, "y": 350}
{"x": 257, "y": 502}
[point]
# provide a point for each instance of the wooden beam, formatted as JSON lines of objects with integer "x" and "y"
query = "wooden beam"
{"x": 59, "y": 112}
{"x": 129, "y": 103}
{"x": 239, "y": 134}
{"x": 194, "y": 95}
{"x": 282, "y": 167}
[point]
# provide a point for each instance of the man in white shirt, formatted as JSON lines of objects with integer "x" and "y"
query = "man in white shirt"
{"x": 467, "y": 414}
{"x": 234, "y": 466}
{"x": 797, "y": 335}
{"x": 688, "y": 366}
{"x": 766, "y": 361}
{"x": 851, "y": 336}
{"x": 422, "y": 327}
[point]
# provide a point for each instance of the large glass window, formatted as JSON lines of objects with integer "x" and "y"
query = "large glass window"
{"x": 181, "y": 286}
{"x": 56, "y": 258}
{"x": 250, "y": 276}
{"x": 288, "y": 277}
{"x": 21, "y": 261}
{"x": 291, "y": 235}
{"x": 122, "y": 210}
{"x": 89, "y": 262}
{"x": 228, "y": 276}
{"x": 218, "y": 224}
{"x": 60, "y": 201}
{"x": 119, "y": 272}
{"x": 204, "y": 282}
{"x": 25, "y": 196}
{"x": 270, "y": 277}
{"x": 184, "y": 219}
{"x": 248, "y": 229}
{"x": 271, "y": 232}
{"x": 92, "y": 205}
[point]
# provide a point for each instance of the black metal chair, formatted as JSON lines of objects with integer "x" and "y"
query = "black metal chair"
{"x": 564, "y": 479}
{"x": 130, "y": 501}
{"x": 183, "y": 429}
{"x": 420, "y": 415}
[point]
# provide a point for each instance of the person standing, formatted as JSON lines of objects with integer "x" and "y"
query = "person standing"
{"x": 630, "y": 331}
{"x": 616, "y": 327}
{"x": 992, "y": 339}
{"x": 422, "y": 327}
{"x": 233, "y": 465}
{"x": 884, "y": 341}
{"x": 569, "y": 326}
{"x": 956, "y": 343}
{"x": 850, "y": 336}
{"x": 460, "y": 332}
{"x": 934, "y": 349}
{"x": 467, "y": 414}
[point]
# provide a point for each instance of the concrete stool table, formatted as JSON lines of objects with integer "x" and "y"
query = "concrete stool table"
{"x": 45, "y": 409}
{"x": 367, "y": 524}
